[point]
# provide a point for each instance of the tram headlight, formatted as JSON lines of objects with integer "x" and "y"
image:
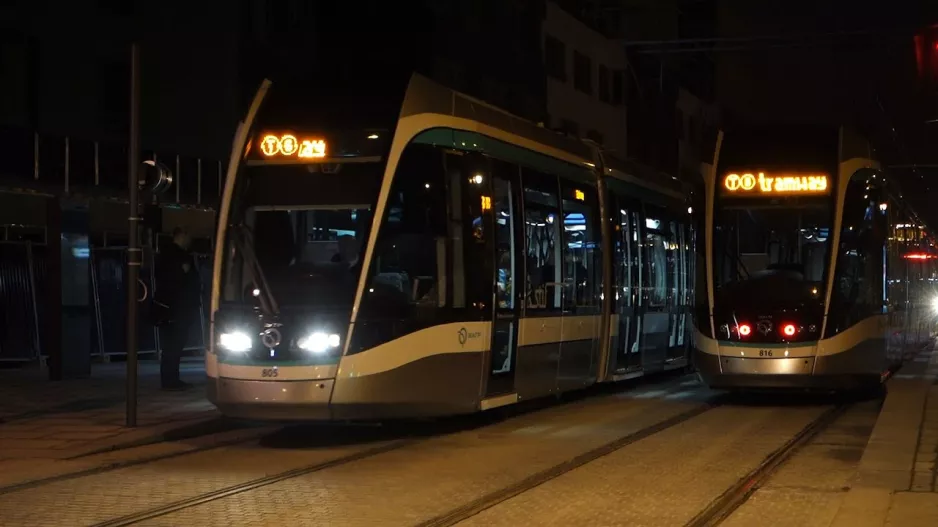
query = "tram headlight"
{"x": 235, "y": 341}
{"x": 934, "y": 304}
{"x": 319, "y": 342}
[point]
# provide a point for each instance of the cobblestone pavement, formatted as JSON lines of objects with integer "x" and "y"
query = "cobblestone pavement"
{"x": 663, "y": 480}
{"x": 45, "y": 423}
{"x": 808, "y": 490}
{"x": 918, "y": 504}
{"x": 397, "y": 487}
{"x": 660, "y": 480}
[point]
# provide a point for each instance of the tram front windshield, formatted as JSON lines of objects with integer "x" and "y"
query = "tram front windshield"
{"x": 297, "y": 235}
{"x": 766, "y": 253}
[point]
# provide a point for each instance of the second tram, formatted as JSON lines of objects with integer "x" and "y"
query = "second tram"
{"x": 449, "y": 259}
{"x": 817, "y": 274}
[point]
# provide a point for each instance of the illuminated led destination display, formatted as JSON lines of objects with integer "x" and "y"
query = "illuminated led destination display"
{"x": 289, "y": 146}
{"x": 765, "y": 183}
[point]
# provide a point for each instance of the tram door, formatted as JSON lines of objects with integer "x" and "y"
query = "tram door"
{"x": 628, "y": 291}
{"x": 656, "y": 306}
{"x": 502, "y": 211}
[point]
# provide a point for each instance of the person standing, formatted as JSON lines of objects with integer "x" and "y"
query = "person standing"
{"x": 178, "y": 295}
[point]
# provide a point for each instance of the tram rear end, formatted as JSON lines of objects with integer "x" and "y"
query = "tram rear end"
{"x": 799, "y": 255}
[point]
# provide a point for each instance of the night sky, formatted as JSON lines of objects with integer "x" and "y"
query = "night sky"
{"x": 838, "y": 61}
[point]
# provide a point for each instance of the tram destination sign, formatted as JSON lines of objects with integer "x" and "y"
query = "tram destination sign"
{"x": 773, "y": 184}
{"x": 289, "y": 145}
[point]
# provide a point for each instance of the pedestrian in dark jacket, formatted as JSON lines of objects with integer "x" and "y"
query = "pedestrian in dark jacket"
{"x": 179, "y": 294}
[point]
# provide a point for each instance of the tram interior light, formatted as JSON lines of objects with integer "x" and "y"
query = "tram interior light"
{"x": 236, "y": 341}
{"x": 319, "y": 342}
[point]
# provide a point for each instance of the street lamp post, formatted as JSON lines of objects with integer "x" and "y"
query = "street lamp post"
{"x": 151, "y": 178}
{"x": 134, "y": 253}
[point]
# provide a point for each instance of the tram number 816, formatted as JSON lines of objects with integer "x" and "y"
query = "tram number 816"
{"x": 765, "y": 353}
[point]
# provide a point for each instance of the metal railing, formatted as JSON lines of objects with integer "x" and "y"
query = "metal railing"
{"x": 58, "y": 163}
{"x": 22, "y": 279}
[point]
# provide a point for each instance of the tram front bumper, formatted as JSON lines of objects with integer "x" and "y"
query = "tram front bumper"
{"x": 722, "y": 372}
{"x": 306, "y": 400}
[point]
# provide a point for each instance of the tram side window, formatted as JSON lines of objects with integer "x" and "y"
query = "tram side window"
{"x": 582, "y": 253}
{"x": 656, "y": 277}
{"x": 626, "y": 264}
{"x": 858, "y": 285}
{"x": 542, "y": 220}
{"x": 896, "y": 267}
{"x": 406, "y": 289}
{"x": 675, "y": 265}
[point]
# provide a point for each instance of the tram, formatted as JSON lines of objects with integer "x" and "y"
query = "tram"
{"x": 818, "y": 275}
{"x": 450, "y": 259}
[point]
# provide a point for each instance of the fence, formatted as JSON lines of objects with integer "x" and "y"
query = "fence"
{"x": 22, "y": 274}
{"x": 22, "y": 279}
{"x": 68, "y": 165}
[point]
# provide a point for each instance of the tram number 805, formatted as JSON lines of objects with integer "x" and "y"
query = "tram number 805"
{"x": 765, "y": 353}
{"x": 269, "y": 372}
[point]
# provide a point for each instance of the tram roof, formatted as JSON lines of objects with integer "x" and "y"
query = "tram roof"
{"x": 424, "y": 96}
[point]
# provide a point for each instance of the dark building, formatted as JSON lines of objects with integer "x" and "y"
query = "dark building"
{"x": 66, "y": 66}
{"x": 864, "y": 65}
{"x": 64, "y": 111}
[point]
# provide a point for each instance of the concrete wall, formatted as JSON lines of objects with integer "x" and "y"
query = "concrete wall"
{"x": 699, "y": 123}
{"x": 564, "y": 102}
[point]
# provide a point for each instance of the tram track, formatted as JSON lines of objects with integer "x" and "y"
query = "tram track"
{"x": 118, "y": 465}
{"x": 156, "y": 512}
{"x": 147, "y": 460}
{"x": 492, "y": 499}
{"x": 216, "y": 445}
{"x": 737, "y": 494}
{"x": 398, "y": 444}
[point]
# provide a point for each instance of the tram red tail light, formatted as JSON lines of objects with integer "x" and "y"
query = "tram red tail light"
{"x": 789, "y": 330}
{"x": 744, "y": 330}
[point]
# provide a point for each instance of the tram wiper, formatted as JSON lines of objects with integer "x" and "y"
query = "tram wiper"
{"x": 739, "y": 260}
{"x": 243, "y": 241}
{"x": 739, "y": 263}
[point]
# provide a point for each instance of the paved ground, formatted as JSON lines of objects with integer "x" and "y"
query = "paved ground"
{"x": 875, "y": 465}
{"x": 45, "y": 424}
{"x": 894, "y": 483}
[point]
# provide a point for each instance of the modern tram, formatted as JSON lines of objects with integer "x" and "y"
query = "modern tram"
{"x": 817, "y": 274}
{"x": 451, "y": 259}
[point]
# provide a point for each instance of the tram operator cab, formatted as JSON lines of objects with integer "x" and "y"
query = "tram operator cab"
{"x": 806, "y": 286}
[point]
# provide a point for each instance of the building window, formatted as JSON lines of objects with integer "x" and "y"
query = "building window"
{"x": 603, "y": 83}
{"x": 617, "y": 87}
{"x": 582, "y": 73}
{"x": 555, "y": 58}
